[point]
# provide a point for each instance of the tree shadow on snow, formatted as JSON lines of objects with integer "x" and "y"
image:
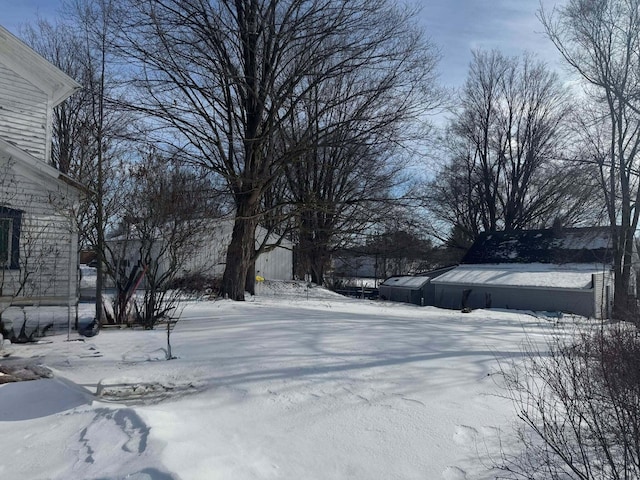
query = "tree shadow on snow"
{"x": 144, "y": 474}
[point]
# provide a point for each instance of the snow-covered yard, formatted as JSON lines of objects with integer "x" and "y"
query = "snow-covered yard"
{"x": 294, "y": 385}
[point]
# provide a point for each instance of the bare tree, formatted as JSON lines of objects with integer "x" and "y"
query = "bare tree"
{"x": 92, "y": 16}
{"x": 337, "y": 192}
{"x": 227, "y": 76}
{"x": 348, "y": 131}
{"x": 579, "y": 406}
{"x": 600, "y": 40}
{"x": 505, "y": 147}
{"x": 163, "y": 226}
{"x": 89, "y": 133}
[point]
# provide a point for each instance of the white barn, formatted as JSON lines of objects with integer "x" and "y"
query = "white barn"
{"x": 38, "y": 235}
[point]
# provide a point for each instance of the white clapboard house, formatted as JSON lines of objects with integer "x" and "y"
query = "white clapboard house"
{"x": 38, "y": 237}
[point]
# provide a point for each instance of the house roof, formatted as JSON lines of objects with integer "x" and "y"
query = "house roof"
{"x": 541, "y": 275}
{"x": 37, "y": 168}
{"x": 558, "y": 246}
{"x": 30, "y": 65}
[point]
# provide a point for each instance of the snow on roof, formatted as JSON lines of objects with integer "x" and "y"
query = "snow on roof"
{"x": 584, "y": 238}
{"x": 411, "y": 282}
{"x": 523, "y": 275}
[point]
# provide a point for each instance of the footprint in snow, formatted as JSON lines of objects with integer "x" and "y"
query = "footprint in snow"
{"x": 454, "y": 473}
{"x": 465, "y": 435}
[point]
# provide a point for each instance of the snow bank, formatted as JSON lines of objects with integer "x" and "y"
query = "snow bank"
{"x": 39, "y": 398}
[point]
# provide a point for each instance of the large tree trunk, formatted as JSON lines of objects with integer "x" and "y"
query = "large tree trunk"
{"x": 317, "y": 269}
{"x": 241, "y": 249}
{"x": 250, "y": 281}
{"x": 313, "y": 247}
{"x": 319, "y": 259}
{"x": 620, "y": 296}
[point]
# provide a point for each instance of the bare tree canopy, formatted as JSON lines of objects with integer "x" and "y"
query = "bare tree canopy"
{"x": 347, "y": 131}
{"x": 88, "y": 131}
{"x": 505, "y": 146}
{"x": 226, "y": 77}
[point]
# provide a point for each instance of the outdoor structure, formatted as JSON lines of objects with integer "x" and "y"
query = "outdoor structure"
{"x": 208, "y": 252}
{"x": 38, "y": 234}
{"x": 273, "y": 264}
{"x": 353, "y": 268}
{"x": 418, "y": 290}
{"x": 561, "y": 270}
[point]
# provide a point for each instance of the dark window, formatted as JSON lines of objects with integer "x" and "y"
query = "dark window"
{"x": 5, "y": 241}
{"x": 10, "y": 222}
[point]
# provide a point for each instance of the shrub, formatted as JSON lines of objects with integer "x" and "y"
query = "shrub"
{"x": 579, "y": 406}
{"x": 197, "y": 284}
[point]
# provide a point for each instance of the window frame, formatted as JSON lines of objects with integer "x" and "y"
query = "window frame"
{"x": 15, "y": 218}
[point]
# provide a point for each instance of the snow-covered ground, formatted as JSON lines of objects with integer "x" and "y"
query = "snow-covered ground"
{"x": 293, "y": 384}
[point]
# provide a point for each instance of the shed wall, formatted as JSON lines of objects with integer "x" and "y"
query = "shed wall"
{"x": 276, "y": 264}
{"x": 414, "y": 295}
{"x": 580, "y": 302}
{"x": 208, "y": 256}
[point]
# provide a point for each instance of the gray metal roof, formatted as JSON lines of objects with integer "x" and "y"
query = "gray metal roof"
{"x": 407, "y": 282}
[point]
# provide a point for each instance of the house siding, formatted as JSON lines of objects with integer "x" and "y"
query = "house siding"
{"x": 24, "y": 114}
{"x": 48, "y": 242}
{"x": 34, "y": 193}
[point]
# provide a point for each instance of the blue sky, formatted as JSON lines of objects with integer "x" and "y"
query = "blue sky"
{"x": 456, "y": 26}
